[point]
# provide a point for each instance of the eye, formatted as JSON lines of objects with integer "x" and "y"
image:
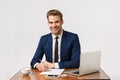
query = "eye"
{"x": 50, "y": 22}
{"x": 57, "y": 22}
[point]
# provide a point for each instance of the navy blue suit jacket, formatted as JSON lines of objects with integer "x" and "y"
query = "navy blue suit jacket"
{"x": 69, "y": 50}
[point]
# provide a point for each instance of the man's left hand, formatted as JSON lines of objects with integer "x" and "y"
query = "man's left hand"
{"x": 49, "y": 65}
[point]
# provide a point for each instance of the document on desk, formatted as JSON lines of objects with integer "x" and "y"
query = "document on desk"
{"x": 53, "y": 72}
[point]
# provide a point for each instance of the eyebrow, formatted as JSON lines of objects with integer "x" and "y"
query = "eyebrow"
{"x": 53, "y": 22}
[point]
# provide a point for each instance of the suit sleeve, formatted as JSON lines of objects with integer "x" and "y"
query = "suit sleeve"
{"x": 38, "y": 54}
{"x": 75, "y": 55}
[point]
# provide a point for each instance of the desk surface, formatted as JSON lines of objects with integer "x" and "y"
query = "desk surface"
{"x": 35, "y": 75}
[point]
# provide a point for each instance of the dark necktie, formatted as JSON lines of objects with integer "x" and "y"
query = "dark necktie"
{"x": 56, "y": 50}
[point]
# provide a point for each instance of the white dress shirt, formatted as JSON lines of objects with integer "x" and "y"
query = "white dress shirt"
{"x": 53, "y": 47}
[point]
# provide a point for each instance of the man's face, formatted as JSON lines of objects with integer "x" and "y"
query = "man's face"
{"x": 55, "y": 24}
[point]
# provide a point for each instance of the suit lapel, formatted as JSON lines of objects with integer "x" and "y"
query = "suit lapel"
{"x": 50, "y": 47}
{"x": 62, "y": 44}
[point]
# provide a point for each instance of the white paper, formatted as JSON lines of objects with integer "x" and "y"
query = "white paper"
{"x": 53, "y": 72}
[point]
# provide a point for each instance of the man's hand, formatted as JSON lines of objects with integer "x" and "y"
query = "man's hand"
{"x": 41, "y": 67}
{"x": 45, "y": 65}
{"x": 49, "y": 65}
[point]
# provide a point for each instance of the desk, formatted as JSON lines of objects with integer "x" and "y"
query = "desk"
{"x": 35, "y": 75}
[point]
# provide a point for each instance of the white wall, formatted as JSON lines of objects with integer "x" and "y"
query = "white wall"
{"x": 22, "y": 22}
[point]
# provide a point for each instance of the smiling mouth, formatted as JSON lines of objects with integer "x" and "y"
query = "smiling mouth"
{"x": 55, "y": 29}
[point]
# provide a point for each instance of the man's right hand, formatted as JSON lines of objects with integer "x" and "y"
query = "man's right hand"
{"x": 41, "y": 67}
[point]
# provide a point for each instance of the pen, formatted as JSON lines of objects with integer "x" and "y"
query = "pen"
{"x": 42, "y": 62}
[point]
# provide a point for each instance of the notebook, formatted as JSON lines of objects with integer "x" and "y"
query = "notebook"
{"x": 89, "y": 63}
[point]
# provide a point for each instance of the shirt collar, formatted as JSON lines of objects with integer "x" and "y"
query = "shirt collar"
{"x": 53, "y": 36}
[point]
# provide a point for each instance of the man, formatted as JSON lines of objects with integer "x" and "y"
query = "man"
{"x": 61, "y": 48}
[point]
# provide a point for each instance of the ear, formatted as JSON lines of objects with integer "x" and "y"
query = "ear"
{"x": 62, "y": 21}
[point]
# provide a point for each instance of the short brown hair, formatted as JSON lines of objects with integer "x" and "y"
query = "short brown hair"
{"x": 55, "y": 12}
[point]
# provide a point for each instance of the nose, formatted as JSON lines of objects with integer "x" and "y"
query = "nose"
{"x": 54, "y": 24}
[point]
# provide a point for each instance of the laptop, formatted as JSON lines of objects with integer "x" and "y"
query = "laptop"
{"x": 89, "y": 63}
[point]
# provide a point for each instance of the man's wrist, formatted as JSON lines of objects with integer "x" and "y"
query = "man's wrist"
{"x": 53, "y": 65}
{"x": 35, "y": 66}
{"x": 56, "y": 65}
